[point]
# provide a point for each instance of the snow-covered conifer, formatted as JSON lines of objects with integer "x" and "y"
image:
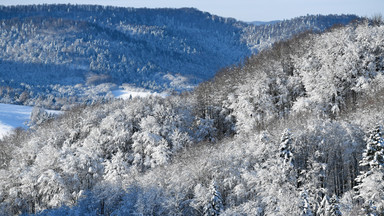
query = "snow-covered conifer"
{"x": 373, "y": 155}
{"x": 324, "y": 206}
{"x": 334, "y": 209}
{"x": 306, "y": 209}
{"x": 286, "y": 148}
{"x": 215, "y": 205}
{"x": 370, "y": 188}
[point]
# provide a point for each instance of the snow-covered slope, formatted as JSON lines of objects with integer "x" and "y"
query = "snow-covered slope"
{"x": 45, "y": 48}
{"x": 13, "y": 116}
{"x": 281, "y": 135}
{"x": 127, "y": 94}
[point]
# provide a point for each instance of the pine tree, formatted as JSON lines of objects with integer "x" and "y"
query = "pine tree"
{"x": 334, "y": 209}
{"x": 286, "y": 155}
{"x": 305, "y": 206}
{"x": 370, "y": 193}
{"x": 215, "y": 205}
{"x": 324, "y": 206}
{"x": 329, "y": 206}
{"x": 373, "y": 155}
{"x": 286, "y": 147}
{"x": 370, "y": 189}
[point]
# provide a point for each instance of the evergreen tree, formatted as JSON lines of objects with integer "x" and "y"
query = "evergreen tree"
{"x": 286, "y": 147}
{"x": 306, "y": 209}
{"x": 334, "y": 209}
{"x": 370, "y": 193}
{"x": 329, "y": 206}
{"x": 373, "y": 155}
{"x": 215, "y": 205}
{"x": 370, "y": 189}
{"x": 324, "y": 206}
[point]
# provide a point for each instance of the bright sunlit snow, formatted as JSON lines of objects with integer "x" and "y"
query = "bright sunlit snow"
{"x": 131, "y": 92}
{"x": 13, "y": 116}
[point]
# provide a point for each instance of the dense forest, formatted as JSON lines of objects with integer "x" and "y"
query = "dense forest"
{"x": 57, "y": 55}
{"x": 294, "y": 130}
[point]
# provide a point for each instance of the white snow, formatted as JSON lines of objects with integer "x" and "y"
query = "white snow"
{"x": 13, "y": 116}
{"x": 124, "y": 94}
{"x": 127, "y": 92}
{"x": 179, "y": 82}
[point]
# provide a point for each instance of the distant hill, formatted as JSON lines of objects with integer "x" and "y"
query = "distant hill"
{"x": 138, "y": 46}
{"x": 259, "y": 37}
{"x": 159, "y": 49}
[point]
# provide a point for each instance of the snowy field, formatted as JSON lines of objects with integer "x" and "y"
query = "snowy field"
{"x": 13, "y": 116}
{"x": 127, "y": 93}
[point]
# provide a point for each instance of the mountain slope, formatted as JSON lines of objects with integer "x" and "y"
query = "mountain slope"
{"x": 258, "y": 138}
{"x": 259, "y": 37}
{"x": 46, "y": 48}
{"x": 127, "y": 45}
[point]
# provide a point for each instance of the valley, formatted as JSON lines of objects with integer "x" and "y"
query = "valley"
{"x": 181, "y": 112}
{"x": 56, "y": 56}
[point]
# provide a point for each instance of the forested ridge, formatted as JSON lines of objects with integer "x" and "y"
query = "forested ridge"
{"x": 295, "y": 130}
{"x": 58, "y": 55}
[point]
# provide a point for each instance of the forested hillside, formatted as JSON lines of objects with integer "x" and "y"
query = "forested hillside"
{"x": 259, "y": 37}
{"x": 55, "y": 55}
{"x": 296, "y": 130}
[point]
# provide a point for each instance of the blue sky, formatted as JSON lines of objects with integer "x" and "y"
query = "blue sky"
{"x": 246, "y": 10}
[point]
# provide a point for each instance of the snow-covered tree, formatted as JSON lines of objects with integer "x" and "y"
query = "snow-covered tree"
{"x": 373, "y": 155}
{"x": 149, "y": 147}
{"x": 334, "y": 209}
{"x": 314, "y": 178}
{"x": 306, "y": 209}
{"x": 215, "y": 204}
{"x": 329, "y": 206}
{"x": 370, "y": 187}
{"x": 371, "y": 193}
{"x": 286, "y": 149}
{"x": 324, "y": 206}
{"x": 205, "y": 130}
{"x": 160, "y": 154}
{"x": 179, "y": 140}
{"x": 38, "y": 116}
{"x": 116, "y": 169}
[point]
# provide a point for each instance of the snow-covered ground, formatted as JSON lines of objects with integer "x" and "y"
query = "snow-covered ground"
{"x": 13, "y": 116}
{"x": 131, "y": 92}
